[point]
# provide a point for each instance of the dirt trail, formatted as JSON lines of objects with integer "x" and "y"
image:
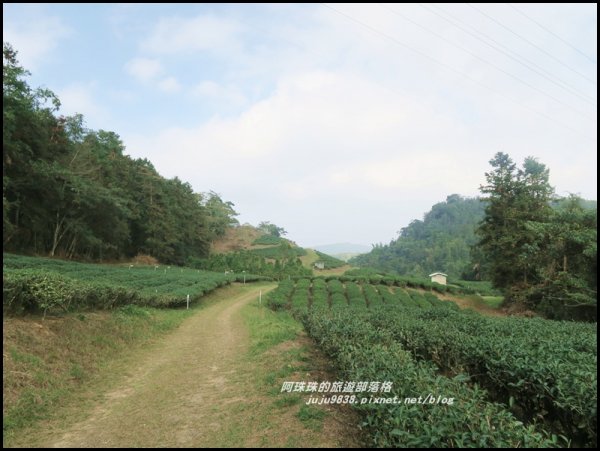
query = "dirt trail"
{"x": 180, "y": 392}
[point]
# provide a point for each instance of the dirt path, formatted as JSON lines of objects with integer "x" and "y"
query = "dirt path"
{"x": 177, "y": 392}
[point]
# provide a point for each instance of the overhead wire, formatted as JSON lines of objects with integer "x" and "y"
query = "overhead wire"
{"x": 495, "y": 66}
{"x": 552, "y": 33}
{"x": 533, "y": 44}
{"x": 501, "y": 48}
{"x": 452, "y": 69}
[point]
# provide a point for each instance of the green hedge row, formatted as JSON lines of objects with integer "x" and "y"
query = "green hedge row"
{"x": 267, "y": 240}
{"x": 35, "y": 291}
{"x": 362, "y": 352}
{"x": 544, "y": 370}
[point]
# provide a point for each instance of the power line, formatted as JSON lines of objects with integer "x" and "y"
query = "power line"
{"x": 450, "y": 68}
{"x": 501, "y": 48}
{"x": 532, "y": 44}
{"x": 495, "y": 66}
{"x": 551, "y": 32}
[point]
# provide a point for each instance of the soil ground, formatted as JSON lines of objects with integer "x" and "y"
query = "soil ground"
{"x": 213, "y": 382}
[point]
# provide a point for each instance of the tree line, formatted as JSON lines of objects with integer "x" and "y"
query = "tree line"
{"x": 249, "y": 262}
{"x": 70, "y": 191}
{"x": 538, "y": 249}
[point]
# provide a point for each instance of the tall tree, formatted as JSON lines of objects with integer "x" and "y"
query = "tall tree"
{"x": 221, "y": 214}
{"x": 271, "y": 229}
{"x": 567, "y": 263}
{"x": 70, "y": 191}
{"x": 515, "y": 199}
{"x": 542, "y": 258}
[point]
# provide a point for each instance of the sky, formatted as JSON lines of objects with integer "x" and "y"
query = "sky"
{"x": 338, "y": 122}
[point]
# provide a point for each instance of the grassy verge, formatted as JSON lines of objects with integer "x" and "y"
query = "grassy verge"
{"x": 493, "y": 301}
{"x": 49, "y": 363}
{"x": 267, "y": 328}
{"x": 279, "y": 351}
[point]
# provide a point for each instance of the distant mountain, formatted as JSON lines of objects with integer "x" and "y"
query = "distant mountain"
{"x": 441, "y": 241}
{"x": 346, "y": 255}
{"x": 342, "y": 248}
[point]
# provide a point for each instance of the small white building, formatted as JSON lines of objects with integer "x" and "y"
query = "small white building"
{"x": 439, "y": 277}
{"x": 319, "y": 265}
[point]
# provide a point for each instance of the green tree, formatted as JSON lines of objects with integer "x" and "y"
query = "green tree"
{"x": 516, "y": 200}
{"x": 30, "y": 131}
{"x": 271, "y": 229}
{"x": 541, "y": 257}
{"x": 221, "y": 214}
{"x": 568, "y": 263}
{"x": 70, "y": 191}
{"x": 440, "y": 242}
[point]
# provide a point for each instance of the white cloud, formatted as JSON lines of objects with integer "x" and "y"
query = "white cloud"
{"x": 169, "y": 84}
{"x": 307, "y": 119}
{"x": 207, "y": 88}
{"x": 80, "y": 98}
{"x": 35, "y": 37}
{"x": 319, "y": 123}
{"x": 144, "y": 69}
{"x": 148, "y": 71}
{"x": 211, "y": 90}
{"x": 330, "y": 141}
{"x": 201, "y": 33}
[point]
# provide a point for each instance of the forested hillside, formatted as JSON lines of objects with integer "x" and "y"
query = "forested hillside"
{"x": 72, "y": 192}
{"x": 440, "y": 242}
{"x": 538, "y": 249}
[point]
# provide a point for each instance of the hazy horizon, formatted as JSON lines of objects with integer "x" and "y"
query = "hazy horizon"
{"x": 340, "y": 123}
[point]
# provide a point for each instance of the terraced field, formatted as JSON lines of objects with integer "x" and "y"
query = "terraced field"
{"x": 516, "y": 381}
{"x": 33, "y": 284}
